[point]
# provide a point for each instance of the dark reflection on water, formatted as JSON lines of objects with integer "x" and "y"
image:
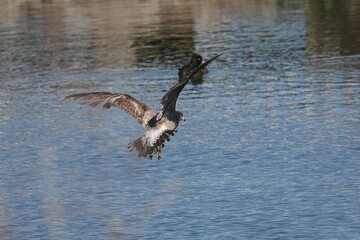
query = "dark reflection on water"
{"x": 270, "y": 148}
{"x": 172, "y": 34}
{"x": 333, "y": 27}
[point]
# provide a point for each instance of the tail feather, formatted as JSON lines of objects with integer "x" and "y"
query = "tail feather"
{"x": 141, "y": 147}
{"x": 144, "y": 149}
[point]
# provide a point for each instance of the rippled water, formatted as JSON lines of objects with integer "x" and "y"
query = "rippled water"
{"x": 270, "y": 148}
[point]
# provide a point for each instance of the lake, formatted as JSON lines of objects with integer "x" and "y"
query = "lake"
{"x": 271, "y": 144}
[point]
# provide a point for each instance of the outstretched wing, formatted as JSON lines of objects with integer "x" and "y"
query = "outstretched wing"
{"x": 135, "y": 108}
{"x": 202, "y": 66}
{"x": 168, "y": 102}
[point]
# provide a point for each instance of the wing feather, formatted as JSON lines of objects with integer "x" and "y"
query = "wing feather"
{"x": 168, "y": 102}
{"x": 135, "y": 108}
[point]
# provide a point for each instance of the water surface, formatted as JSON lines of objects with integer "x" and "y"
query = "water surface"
{"x": 270, "y": 148}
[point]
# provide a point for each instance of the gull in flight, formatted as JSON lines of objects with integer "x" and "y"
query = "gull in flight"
{"x": 160, "y": 126}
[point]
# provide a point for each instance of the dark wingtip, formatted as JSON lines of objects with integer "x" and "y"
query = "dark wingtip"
{"x": 66, "y": 98}
{"x": 201, "y": 66}
{"x": 72, "y": 96}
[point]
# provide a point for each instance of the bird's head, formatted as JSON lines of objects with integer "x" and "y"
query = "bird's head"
{"x": 200, "y": 67}
{"x": 196, "y": 60}
{"x": 181, "y": 116}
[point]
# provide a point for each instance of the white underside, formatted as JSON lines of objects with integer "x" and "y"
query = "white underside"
{"x": 152, "y": 136}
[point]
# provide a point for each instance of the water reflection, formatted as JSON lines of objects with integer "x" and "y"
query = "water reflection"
{"x": 333, "y": 27}
{"x": 171, "y": 34}
{"x": 67, "y": 35}
{"x": 271, "y": 141}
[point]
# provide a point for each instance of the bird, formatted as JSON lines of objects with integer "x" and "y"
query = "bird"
{"x": 160, "y": 126}
{"x": 195, "y": 61}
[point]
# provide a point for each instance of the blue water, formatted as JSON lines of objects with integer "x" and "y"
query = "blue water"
{"x": 270, "y": 148}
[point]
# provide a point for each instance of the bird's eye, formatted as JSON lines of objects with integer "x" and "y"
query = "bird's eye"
{"x": 199, "y": 59}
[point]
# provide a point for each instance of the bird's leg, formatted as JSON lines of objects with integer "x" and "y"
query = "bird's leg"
{"x": 159, "y": 156}
{"x": 159, "y": 153}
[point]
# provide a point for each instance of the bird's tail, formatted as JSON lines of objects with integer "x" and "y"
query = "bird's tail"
{"x": 141, "y": 146}
{"x": 145, "y": 149}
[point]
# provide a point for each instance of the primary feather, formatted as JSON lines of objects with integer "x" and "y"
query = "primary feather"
{"x": 135, "y": 108}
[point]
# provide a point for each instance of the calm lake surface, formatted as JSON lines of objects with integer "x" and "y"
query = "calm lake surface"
{"x": 270, "y": 148}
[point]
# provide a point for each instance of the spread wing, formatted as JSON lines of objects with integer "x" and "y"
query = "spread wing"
{"x": 135, "y": 108}
{"x": 168, "y": 102}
